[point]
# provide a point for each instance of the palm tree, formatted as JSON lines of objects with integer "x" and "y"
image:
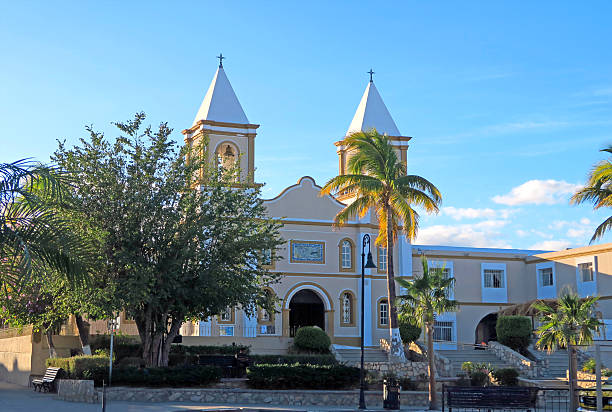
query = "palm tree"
{"x": 568, "y": 323}
{"x": 426, "y": 296}
{"x": 377, "y": 180}
{"x": 598, "y": 191}
{"x": 33, "y": 238}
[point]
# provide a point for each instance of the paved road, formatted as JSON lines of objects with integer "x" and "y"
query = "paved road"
{"x": 14, "y": 398}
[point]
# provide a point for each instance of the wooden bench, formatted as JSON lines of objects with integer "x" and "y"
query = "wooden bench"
{"x": 224, "y": 362}
{"x": 493, "y": 397}
{"x": 47, "y": 382}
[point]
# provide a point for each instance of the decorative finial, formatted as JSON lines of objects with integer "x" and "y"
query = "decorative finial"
{"x": 371, "y": 73}
{"x": 220, "y": 57}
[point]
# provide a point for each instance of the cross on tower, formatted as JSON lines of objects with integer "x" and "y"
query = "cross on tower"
{"x": 371, "y": 73}
{"x": 220, "y": 57}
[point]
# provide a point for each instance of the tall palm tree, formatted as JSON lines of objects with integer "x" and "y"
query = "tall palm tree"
{"x": 570, "y": 322}
{"x": 598, "y": 191}
{"x": 33, "y": 238}
{"x": 427, "y": 296}
{"x": 377, "y": 180}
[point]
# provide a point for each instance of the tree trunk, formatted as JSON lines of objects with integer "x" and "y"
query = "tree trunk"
{"x": 396, "y": 353}
{"x": 52, "y": 351}
{"x": 573, "y": 370}
{"x": 174, "y": 330}
{"x": 431, "y": 366}
{"x": 83, "y": 328}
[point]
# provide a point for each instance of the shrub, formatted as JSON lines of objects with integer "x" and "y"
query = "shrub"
{"x": 74, "y": 366}
{"x": 506, "y": 376}
{"x": 156, "y": 377}
{"x": 131, "y": 362}
{"x": 479, "y": 378}
{"x": 409, "y": 331}
{"x": 589, "y": 366}
{"x": 302, "y": 376}
{"x": 408, "y": 384}
{"x": 123, "y": 346}
{"x": 304, "y": 359}
{"x": 209, "y": 349}
{"x": 514, "y": 332}
{"x": 312, "y": 339}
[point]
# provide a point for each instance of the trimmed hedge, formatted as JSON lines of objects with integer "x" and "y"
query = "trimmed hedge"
{"x": 514, "y": 332}
{"x": 156, "y": 377}
{"x": 123, "y": 346}
{"x": 312, "y": 339}
{"x": 75, "y": 366}
{"x": 409, "y": 332}
{"x": 209, "y": 349}
{"x": 506, "y": 376}
{"x": 314, "y": 359}
{"x": 302, "y": 376}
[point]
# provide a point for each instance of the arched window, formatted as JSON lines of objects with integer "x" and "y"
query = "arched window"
{"x": 346, "y": 255}
{"x": 347, "y": 309}
{"x": 382, "y": 259}
{"x": 227, "y": 156}
{"x": 227, "y": 316}
{"x": 383, "y": 313}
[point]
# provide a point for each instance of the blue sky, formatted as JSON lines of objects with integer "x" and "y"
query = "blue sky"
{"x": 508, "y": 102}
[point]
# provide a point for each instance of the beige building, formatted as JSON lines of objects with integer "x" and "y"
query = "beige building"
{"x": 321, "y": 264}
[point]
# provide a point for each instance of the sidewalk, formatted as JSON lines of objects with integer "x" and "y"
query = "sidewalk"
{"x": 15, "y": 398}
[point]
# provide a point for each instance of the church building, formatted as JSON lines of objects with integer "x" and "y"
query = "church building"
{"x": 321, "y": 264}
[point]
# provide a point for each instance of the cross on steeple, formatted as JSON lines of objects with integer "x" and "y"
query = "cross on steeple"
{"x": 371, "y": 73}
{"x": 220, "y": 57}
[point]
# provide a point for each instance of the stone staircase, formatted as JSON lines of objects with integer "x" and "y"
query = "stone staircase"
{"x": 352, "y": 356}
{"x": 557, "y": 363}
{"x": 457, "y": 357}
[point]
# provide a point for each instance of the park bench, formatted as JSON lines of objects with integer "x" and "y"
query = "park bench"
{"x": 47, "y": 382}
{"x": 499, "y": 397}
{"x": 224, "y": 362}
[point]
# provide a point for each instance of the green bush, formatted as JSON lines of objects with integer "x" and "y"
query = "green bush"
{"x": 312, "y": 339}
{"x": 209, "y": 349}
{"x": 123, "y": 346}
{"x": 156, "y": 377}
{"x": 514, "y": 332}
{"x": 74, "y": 366}
{"x": 506, "y": 376}
{"x": 409, "y": 331}
{"x": 302, "y": 376}
{"x": 479, "y": 378}
{"x": 310, "y": 359}
{"x": 131, "y": 362}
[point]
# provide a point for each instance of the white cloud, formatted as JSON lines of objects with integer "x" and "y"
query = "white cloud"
{"x": 553, "y": 245}
{"x": 538, "y": 192}
{"x": 459, "y": 213}
{"x": 521, "y": 233}
{"x": 481, "y": 234}
{"x": 579, "y": 233}
{"x": 585, "y": 221}
{"x": 558, "y": 224}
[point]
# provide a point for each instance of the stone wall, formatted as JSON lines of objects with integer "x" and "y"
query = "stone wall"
{"x": 587, "y": 379}
{"x": 253, "y": 396}
{"x": 525, "y": 366}
{"x": 406, "y": 369}
{"x": 77, "y": 391}
{"x": 443, "y": 365}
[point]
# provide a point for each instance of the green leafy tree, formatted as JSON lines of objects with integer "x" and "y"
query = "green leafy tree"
{"x": 598, "y": 191}
{"x": 175, "y": 247}
{"x": 570, "y": 322}
{"x": 427, "y": 296}
{"x": 377, "y": 179}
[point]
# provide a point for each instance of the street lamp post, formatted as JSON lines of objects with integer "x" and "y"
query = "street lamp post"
{"x": 364, "y": 265}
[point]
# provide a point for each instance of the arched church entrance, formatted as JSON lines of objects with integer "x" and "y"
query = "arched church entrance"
{"x": 306, "y": 309}
{"x": 486, "y": 329}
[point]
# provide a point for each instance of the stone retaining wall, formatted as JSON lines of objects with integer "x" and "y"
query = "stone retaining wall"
{"x": 83, "y": 391}
{"x": 77, "y": 390}
{"x": 406, "y": 369}
{"x": 525, "y": 366}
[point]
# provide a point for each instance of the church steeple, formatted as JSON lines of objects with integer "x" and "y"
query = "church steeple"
{"x": 372, "y": 113}
{"x": 230, "y": 136}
